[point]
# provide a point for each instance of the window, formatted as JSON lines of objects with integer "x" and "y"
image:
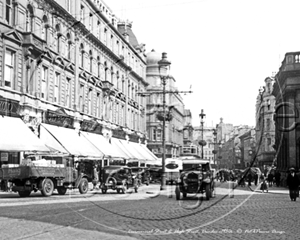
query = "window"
{"x": 105, "y": 35}
{"x": 90, "y": 105}
{"x": 82, "y": 56}
{"x": 9, "y": 68}
{"x": 82, "y": 14}
{"x": 58, "y": 34}
{"x": 268, "y": 124}
{"x": 44, "y": 82}
{"x": 91, "y": 61}
{"x": 98, "y": 105}
{"x": 99, "y": 67}
{"x": 98, "y": 33}
{"x": 44, "y": 35}
{"x": 68, "y": 93}
{"x": 8, "y": 13}
{"x": 69, "y": 43}
{"x": 91, "y": 22}
{"x": 56, "y": 87}
{"x": 29, "y": 19}
{"x": 81, "y": 94}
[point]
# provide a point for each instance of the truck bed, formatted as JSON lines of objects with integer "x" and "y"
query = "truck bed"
{"x": 23, "y": 172}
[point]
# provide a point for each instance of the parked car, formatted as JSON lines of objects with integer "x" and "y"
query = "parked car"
{"x": 196, "y": 177}
{"x": 119, "y": 178}
{"x": 142, "y": 174}
{"x": 155, "y": 174}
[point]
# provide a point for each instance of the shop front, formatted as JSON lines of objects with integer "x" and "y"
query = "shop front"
{"x": 16, "y": 138}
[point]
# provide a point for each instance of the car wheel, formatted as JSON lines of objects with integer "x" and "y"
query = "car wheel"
{"x": 83, "y": 186}
{"x": 104, "y": 190}
{"x": 47, "y": 187}
{"x": 207, "y": 191}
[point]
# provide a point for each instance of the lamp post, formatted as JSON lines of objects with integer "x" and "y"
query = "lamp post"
{"x": 163, "y": 67}
{"x": 215, "y": 143}
{"x": 202, "y": 115}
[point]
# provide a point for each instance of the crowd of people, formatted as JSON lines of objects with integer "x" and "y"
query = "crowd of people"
{"x": 263, "y": 179}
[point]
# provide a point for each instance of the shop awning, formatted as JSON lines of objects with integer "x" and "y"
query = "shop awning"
{"x": 17, "y": 137}
{"x": 103, "y": 145}
{"x": 118, "y": 145}
{"x": 132, "y": 147}
{"x": 148, "y": 153}
{"x": 69, "y": 140}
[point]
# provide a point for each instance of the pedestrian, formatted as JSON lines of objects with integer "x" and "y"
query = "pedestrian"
{"x": 270, "y": 179}
{"x": 255, "y": 179}
{"x": 293, "y": 184}
{"x": 263, "y": 186}
{"x": 277, "y": 178}
{"x": 95, "y": 176}
{"x": 249, "y": 179}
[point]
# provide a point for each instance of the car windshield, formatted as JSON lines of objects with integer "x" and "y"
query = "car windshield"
{"x": 110, "y": 170}
{"x": 135, "y": 170}
{"x": 188, "y": 166}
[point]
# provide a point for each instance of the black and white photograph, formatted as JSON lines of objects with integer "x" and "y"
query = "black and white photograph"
{"x": 149, "y": 119}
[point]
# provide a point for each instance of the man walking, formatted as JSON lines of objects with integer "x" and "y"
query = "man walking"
{"x": 293, "y": 183}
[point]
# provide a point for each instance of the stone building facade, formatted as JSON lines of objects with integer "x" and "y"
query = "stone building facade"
{"x": 265, "y": 125}
{"x": 175, "y": 111}
{"x": 287, "y": 131}
{"x": 73, "y": 60}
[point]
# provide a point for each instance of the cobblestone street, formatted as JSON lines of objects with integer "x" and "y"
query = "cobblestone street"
{"x": 149, "y": 215}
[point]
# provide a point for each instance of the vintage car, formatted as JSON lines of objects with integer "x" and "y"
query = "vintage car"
{"x": 118, "y": 178}
{"x": 195, "y": 177}
{"x": 142, "y": 174}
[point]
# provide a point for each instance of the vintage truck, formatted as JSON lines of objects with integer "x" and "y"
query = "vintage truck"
{"x": 46, "y": 179}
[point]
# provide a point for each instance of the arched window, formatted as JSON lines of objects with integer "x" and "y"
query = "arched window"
{"x": 82, "y": 55}
{"x": 69, "y": 43}
{"x": 112, "y": 75}
{"x": 105, "y": 69}
{"x": 118, "y": 80}
{"x": 29, "y": 19}
{"x": 58, "y": 35}
{"x": 99, "y": 66}
{"x": 45, "y": 29}
{"x": 91, "y": 61}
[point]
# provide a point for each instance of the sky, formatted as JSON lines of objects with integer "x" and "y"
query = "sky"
{"x": 225, "y": 49}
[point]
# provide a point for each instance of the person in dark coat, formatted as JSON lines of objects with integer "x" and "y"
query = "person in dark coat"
{"x": 270, "y": 179}
{"x": 277, "y": 178}
{"x": 293, "y": 183}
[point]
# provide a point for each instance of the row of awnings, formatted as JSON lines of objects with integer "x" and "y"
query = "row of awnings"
{"x": 16, "y": 137}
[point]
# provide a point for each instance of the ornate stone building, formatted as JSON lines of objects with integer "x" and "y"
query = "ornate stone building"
{"x": 175, "y": 112}
{"x": 287, "y": 95}
{"x": 73, "y": 64}
{"x": 265, "y": 126}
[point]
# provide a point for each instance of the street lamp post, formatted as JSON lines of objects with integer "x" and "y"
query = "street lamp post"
{"x": 163, "y": 64}
{"x": 202, "y": 115}
{"x": 215, "y": 143}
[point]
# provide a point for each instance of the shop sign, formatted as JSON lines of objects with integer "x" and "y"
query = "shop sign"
{"x": 4, "y": 157}
{"x": 9, "y": 107}
{"x": 91, "y": 126}
{"x": 59, "y": 118}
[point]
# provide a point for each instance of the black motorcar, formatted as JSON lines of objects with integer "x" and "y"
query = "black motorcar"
{"x": 118, "y": 178}
{"x": 142, "y": 174}
{"x": 195, "y": 177}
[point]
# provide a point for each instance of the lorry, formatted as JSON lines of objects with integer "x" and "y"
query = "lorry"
{"x": 44, "y": 178}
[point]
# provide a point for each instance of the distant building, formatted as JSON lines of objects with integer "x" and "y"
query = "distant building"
{"x": 265, "y": 126}
{"x": 177, "y": 119}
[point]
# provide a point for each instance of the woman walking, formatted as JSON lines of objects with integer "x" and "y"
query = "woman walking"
{"x": 293, "y": 183}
